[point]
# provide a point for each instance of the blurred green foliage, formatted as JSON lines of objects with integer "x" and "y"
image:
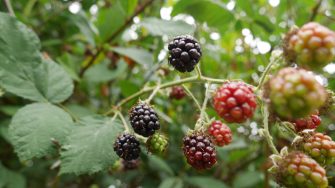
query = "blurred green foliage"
{"x": 111, "y": 49}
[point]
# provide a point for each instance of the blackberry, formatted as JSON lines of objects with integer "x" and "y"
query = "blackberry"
{"x": 177, "y": 93}
{"x": 144, "y": 119}
{"x": 310, "y": 122}
{"x": 300, "y": 171}
{"x": 127, "y": 147}
{"x": 319, "y": 146}
{"x": 235, "y": 102}
{"x": 199, "y": 151}
{"x": 313, "y": 45}
{"x": 295, "y": 93}
{"x": 220, "y": 133}
{"x": 157, "y": 143}
{"x": 185, "y": 53}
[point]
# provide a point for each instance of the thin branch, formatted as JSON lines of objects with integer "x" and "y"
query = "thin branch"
{"x": 125, "y": 125}
{"x": 266, "y": 132}
{"x": 154, "y": 92}
{"x": 193, "y": 97}
{"x": 9, "y": 7}
{"x": 315, "y": 11}
{"x": 115, "y": 34}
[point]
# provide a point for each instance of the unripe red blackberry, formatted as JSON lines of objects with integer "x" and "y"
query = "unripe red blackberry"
{"x": 185, "y": 53}
{"x": 127, "y": 147}
{"x": 300, "y": 171}
{"x": 295, "y": 93}
{"x": 320, "y": 147}
{"x": 157, "y": 143}
{"x": 235, "y": 102}
{"x": 199, "y": 151}
{"x": 313, "y": 44}
{"x": 220, "y": 133}
{"x": 177, "y": 92}
{"x": 310, "y": 122}
{"x": 144, "y": 119}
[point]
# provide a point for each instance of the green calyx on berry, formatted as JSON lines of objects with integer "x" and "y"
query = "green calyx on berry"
{"x": 296, "y": 169}
{"x": 157, "y": 143}
{"x": 295, "y": 93}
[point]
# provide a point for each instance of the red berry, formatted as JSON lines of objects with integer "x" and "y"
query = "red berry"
{"x": 177, "y": 93}
{"x": 220, "y": 133}
{"x": 235, "y": 102}
{"x": 310, "y": 122}
{"x": 199, "y": 151}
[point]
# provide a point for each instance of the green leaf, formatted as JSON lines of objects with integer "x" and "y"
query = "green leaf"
{"x": 85, "y": 26}
{"x": 248, "y": 179}
{"x": 158, "y": 27}
{"x": 210, "y": 11}
{"x": 204, "y": 182}
{"x": 35, "y": 126}
{"x": 139, "y": 55}
{"x": 101, "y": 73}
{"x": 110, "y": 20}
{"x": 159, "y": 165}
{"x": 89, "y": 148}
{"x": 129, "y": 6}
{"x": 45, "y": 82}
{"x": 11, "y": 179}
{"x": 171, "y": 183}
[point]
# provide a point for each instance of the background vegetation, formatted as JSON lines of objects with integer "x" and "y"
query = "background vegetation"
{"x": 106, "y": 50}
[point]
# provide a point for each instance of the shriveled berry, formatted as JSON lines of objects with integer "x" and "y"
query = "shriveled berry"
{"x": 295, "y": 93}
{"x": 220, "y": 133}
{"x": 313, "y": 44}
{"x": 235, "y": 102}
{"x": 130, "y": 165}
{"x": 199, "y": 151}
{"x": 127, "y": 147}
{"x": 144, "y": 119}
{"x": 320, "y": 147}
{"x": 177, "y": 93}
{"x": 300, "y": 171}
{"x": 184, "y": 52}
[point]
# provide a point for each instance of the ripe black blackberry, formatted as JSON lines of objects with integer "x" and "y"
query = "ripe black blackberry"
{"x": 199, "y": 151}
{"x": 144, "y": 119}
{"x": 127, "y": 147}
{"x": 185, "y": 53}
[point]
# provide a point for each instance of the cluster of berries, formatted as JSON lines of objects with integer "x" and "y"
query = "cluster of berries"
{"x": 145, "y": 122}
{"x": 295, "y": 96}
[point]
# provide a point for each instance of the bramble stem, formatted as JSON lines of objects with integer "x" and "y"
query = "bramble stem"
{"x": 203, "y": 113}
{"x": 266, "y": 133}
{"x": 267, "y": 70}
{"x": 125, "y": 125}
{"x": 9, "y": 7}
{"x": 192, "y": 79}
{"x": 154, "y": 92}
{"x": 192, "y": 96}
{"x": 197, "y": 68}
